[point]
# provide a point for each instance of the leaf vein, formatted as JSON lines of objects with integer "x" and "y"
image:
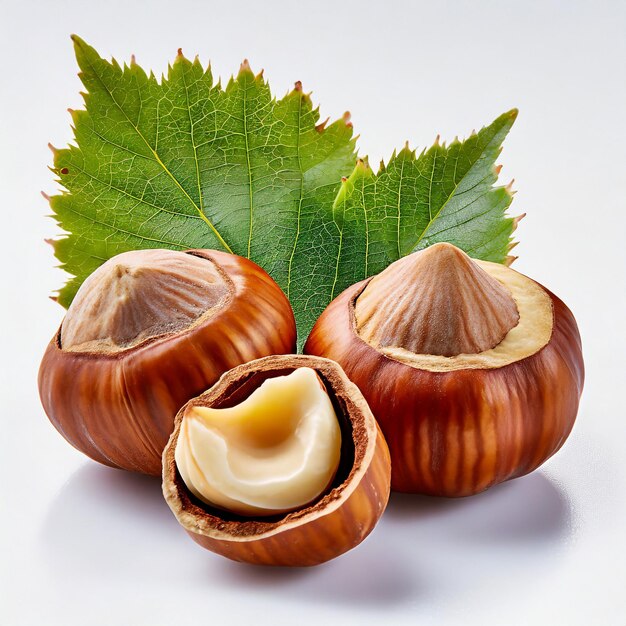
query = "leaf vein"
{"x": 156, "y": 156}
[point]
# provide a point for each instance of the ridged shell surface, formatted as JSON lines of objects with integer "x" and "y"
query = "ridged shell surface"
{"x": 119, "y": 407}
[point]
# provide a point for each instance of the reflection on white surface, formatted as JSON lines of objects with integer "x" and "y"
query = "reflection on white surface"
{"x": 425, "y": 546}
{"x": 528, "y": 510}
{"x": 116, "y": 526}
{"x": 109, "y": 525}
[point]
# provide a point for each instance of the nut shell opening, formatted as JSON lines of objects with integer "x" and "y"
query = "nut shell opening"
{"x": 354, "y": 501}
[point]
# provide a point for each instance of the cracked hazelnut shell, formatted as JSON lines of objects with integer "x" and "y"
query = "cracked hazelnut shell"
{"x": 146, "y": 332}
{"x": 322, "y": 530}
{"x": 473, "y": 371}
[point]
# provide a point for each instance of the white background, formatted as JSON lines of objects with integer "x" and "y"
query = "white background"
{"x": 83, "y": 545}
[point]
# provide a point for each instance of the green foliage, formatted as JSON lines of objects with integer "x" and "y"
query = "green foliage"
{"x": 444, "y": 194}
{"x": 186, "y": 163}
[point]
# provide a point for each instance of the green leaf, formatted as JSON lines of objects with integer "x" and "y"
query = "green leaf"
{"x": 444, "y": 194}
{"x": 186, "y": 163}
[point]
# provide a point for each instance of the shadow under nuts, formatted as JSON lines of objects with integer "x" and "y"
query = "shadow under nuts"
{"x": 146, "y": 332}
{"x": 473, "y": 371}
{"x": 281, "y": 462}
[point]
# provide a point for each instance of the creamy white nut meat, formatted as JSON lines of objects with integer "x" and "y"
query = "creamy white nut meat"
{"x": 274, "y": 452}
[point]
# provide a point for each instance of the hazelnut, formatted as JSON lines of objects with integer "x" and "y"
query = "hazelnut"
{"x": 281, "y": 462}
{"x": 473, "y": 371}
{"x": 147, "y": 331}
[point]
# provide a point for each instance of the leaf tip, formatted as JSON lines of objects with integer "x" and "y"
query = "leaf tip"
{"x": 517, "y": 220}
{"x": 76, "y": 40}
{"x": 53, "y": 149}
{"x": 245, "y": 66}
{"x": 320, "y": 127}
{"x": 347, "y": 116}
{"x": 510, "y": 259}
{"x": 83, "y": 51}
{"x": 74, "y": 114}
{"x": 179, "y": 53}
{"x": 46, "y": 197}
{"x": 298, "y": 86}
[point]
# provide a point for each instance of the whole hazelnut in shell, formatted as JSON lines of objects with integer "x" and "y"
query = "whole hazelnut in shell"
{"x": 473, "y": 371}
{"x": 281, "y": 462}
{"x": 147, "y": 331}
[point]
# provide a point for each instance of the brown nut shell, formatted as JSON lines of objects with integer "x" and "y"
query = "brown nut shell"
{"x": 333, "y": 524}
{"x": 118, "y": 407}
{"x": 456, "y": 433}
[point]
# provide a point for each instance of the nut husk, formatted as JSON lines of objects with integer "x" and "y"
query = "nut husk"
{"x": 456, "y": 427}
{"x": 331, "y": 525}
{"x": 117, "y": 404}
